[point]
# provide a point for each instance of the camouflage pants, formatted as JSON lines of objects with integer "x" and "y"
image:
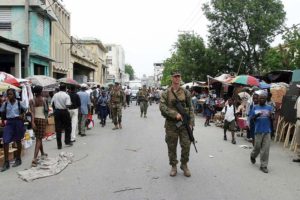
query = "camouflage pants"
{"x": 144, "y": 107}
{"x": 172, "y": 135}
{"x": 116, "y": 114}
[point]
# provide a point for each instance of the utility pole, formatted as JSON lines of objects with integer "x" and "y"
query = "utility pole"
{"x": 27, "y": 38}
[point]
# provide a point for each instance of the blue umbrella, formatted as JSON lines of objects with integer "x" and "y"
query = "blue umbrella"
{"x": 264, "y": 85}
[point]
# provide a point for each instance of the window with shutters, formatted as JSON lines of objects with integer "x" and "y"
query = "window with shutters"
{"x": 5, "y": 18}
{"x": 109, "y": 61}
{"x": 40, "y": 25}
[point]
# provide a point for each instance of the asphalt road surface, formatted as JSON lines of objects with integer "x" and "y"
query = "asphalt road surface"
{"x": 132, "y": 164}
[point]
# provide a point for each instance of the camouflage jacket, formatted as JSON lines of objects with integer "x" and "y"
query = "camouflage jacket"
{"x": 143, "y": 95}
{"x": 117, "y": 98}
{"x": 168, "y": 109}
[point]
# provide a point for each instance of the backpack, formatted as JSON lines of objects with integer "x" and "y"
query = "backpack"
{"x": 3, "y": 113}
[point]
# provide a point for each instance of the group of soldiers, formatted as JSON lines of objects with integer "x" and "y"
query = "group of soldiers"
{"x": 117, "y": 101}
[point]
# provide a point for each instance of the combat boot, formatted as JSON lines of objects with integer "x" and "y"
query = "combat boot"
{"x": 173, "y": 171}
{"x": 185, "y": 170}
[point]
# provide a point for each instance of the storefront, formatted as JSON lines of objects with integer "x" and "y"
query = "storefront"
{"x": 12, "y": 57}
{"x": 82, "y": 73}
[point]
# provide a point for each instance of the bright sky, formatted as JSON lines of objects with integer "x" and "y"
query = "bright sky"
{"x": 146, "y": 29}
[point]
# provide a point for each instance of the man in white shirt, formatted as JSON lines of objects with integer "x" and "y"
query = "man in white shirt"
{"x": 128, "y": 95}
{"x": 297, "y": 131}
{"x": 61, "y": 101}
{"x": 229, "y": 120}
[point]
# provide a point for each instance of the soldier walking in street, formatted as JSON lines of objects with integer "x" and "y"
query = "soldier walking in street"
{"x": 117, "y": 100}
{"x": 143, "y": 96}
{"x": 173, "y": 126}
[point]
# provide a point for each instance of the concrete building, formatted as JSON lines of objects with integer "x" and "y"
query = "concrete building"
{"x": 29, "y": 23}
{"x": 126, "y": 79}
{"x": 98, "y": 53}
{"x": 148, "y": 81}
{"x": 83, "y": 64}
{"x": 158, "y": 73}
{"x": 115, "y": 60}
{"x": 12, "y": 56}
{"x": 60, "y": 42}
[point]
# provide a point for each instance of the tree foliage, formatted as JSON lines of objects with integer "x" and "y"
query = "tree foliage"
{"x": 190, "y": 56}
{"x": 243, "y": 29}
{"x": 129, "y": 70}
{"x": 287, "y": 55}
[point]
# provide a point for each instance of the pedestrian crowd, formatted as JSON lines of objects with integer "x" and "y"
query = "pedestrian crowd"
{"x": 72, "y": 110}
{"x": 254, "y": 114}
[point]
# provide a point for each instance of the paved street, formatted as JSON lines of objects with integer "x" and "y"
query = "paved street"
{"x": 135, "y": 158}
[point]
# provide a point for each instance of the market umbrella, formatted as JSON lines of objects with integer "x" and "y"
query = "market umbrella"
{"x": 68, "y": 81}
{"x": 246, "y": 80}
{"x": 264, "y": 85}
{"x": 190, "y": 84}
{"x": 47, "y": 82}
{"x": 8, "y": 78}
{"x": 5, "y": 86}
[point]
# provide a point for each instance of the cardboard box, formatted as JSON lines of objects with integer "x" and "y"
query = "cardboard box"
{"x": 51, "y": 121}
{"x": 50, "y": 128}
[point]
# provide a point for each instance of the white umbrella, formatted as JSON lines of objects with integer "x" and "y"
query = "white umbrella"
{"x": 190, "y": 84}
{"x": 47, "y": 82}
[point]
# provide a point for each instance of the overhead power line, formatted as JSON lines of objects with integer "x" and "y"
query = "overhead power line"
{"x": 193, "y": 15}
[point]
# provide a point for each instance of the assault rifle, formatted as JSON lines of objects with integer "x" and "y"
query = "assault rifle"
{"x": 185, "y": 120}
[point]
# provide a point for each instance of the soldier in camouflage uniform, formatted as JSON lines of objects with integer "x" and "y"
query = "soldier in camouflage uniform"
{"x": 117, "y": 100}
{"x": 174, "y": 130}
{"x": 143, "y": 96}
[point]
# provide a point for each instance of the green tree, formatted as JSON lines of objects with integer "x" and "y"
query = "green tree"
{"x": 129, "y": 70}
{"x": 242, "y": 30}
{"x": 291, "y": 48}
{"x": 285, "y": 56}
{"x": 190, "y": 56}
{"x": 272, "y": 60}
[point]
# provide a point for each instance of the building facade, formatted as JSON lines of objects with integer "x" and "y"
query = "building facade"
{"x": 29, "y": 23}
{"x": 83, "y": 64}
{"x": 115, "y": 60}
{"x": 60, "y": 42}
{"x": 98, "y": 53}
